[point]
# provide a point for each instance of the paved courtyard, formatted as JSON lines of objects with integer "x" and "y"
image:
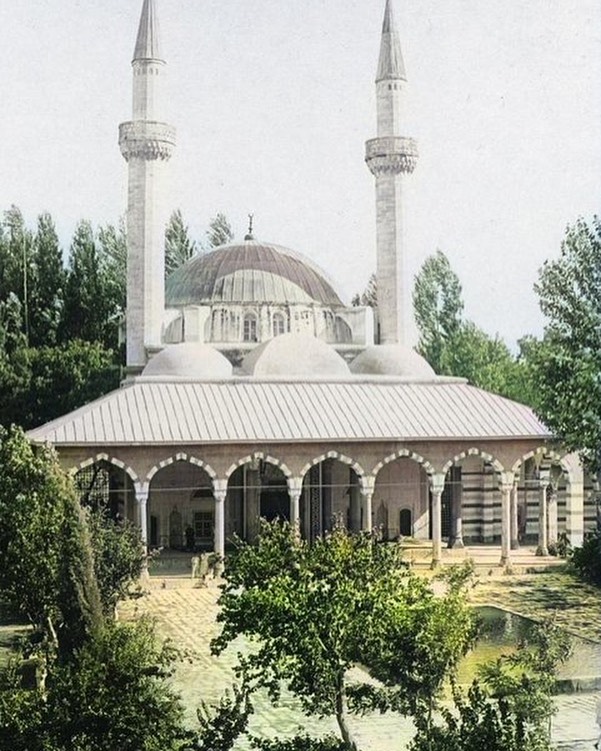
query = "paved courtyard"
{"x": 187, "y": 616}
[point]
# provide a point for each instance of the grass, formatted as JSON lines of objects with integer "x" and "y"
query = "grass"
{"x": 574, "y": 605}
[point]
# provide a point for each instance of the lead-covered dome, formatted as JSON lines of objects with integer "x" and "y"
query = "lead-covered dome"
{"x": 294, "y": 355}
{"x": 191, "y": 360}
{"x": 392, "y": 360}
{"x": 249, "y": 272}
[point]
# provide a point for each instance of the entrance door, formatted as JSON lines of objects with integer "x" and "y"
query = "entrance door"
{"x": 204, "y": 523}
{"x": 406, "y": 523}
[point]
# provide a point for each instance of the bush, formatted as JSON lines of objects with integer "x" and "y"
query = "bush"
{"x": 587, "y": 559}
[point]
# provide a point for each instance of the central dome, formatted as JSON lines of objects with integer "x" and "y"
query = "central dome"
{"x": 249, "y": 272}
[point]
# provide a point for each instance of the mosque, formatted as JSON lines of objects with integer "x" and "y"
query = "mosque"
{"x": 253, "y": 391}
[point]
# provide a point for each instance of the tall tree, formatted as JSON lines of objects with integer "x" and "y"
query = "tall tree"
{"x": 369, "y": 296}
{"x": 16, "y": 268}
{"x": 567, "y": 363}
{"x": 46, "y": 298}
{"x": 87, "y": 310}
{"x": 438, "y": 307}
{"x": 219, "y": 232}
{"x": 179, "y": 248}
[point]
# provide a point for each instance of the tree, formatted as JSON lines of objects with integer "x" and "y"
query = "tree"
{"x": 89, "y": 313}
{"x": 438, "y": 307}
{"x": 179, "y": 248}
{"x": 16, "y": 262}
{"x": 219, "y": 232}
{"x": 101, "y": 684}
{"x": 317, "y": 609}
{"x": 369, "y": 297}
{"x": 508, "y": 708}
{"x": 48, "y": 284}
{"x": 567, "y": 363}
{"x": 112, "y": 246}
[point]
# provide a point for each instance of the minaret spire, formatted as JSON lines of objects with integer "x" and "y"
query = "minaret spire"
{"x": 148, "y": 41}
{"x": 391, "y": 158}
{"x": 391, "y": 65}
{"x": 146, "y": 144}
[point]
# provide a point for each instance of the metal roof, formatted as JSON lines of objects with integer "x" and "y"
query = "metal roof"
{"x": 251, "y": 410}
{"x": 249, "y": 272}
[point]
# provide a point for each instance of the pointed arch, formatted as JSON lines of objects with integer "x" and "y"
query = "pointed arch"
{"x": 498, "y": 467}
{"x": 113, "y": 460}
{"x": 360, "y": 472}
{"x": 544, "y": 452}
{"x": 404, "y": 454}
{"x": 261, "y": 456}
{"x": 181, "y": 457}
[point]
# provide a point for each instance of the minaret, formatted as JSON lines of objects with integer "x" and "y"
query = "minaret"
{"x": 390, "y": 158}
{"x": 146, "y": 144}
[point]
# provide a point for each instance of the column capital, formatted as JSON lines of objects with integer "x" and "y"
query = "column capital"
{"x": 295, "y": 487}
{"x": 142, "y": 490}
{"x": 219, "y": 490}
{"x": 368, "y": 485}
{"x": 506, "y": 481}
{"x": 437, "y": 482}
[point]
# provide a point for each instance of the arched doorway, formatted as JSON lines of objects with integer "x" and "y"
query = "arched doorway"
{"x": 181, "y": 508}
{"x": 104, "y": 486}
{"x": 256, "y": 490}
{"x": 331, "y": 495}
{"x": 401, "y": 500}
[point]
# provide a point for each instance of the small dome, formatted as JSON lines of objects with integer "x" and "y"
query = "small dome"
{"x": 392, "y": 360}
{"x": 189, "y": 360}
{"x": 249, "y": 272}
{"x": 294, "y": 355}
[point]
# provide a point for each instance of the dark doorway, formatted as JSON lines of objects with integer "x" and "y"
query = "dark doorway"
{"x": 406, "y": 523}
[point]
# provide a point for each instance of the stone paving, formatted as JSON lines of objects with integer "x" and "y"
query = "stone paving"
{"x": 186, "y": 615}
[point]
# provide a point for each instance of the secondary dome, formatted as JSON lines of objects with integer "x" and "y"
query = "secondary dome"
{"x": 189, "y": 360}
{"x": 392, "y": 360}
{"x": 249, "y": 272}
{"x": 294, "y": 355}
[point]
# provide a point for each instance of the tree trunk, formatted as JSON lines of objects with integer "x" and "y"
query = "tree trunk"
{"x": 341, "y": 716}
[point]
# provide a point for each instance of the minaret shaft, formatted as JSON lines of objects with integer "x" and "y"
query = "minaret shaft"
{"x": 146, "y": 144}
{"x": 391, "y": 158}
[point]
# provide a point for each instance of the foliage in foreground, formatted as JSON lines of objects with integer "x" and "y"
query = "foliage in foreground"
{"x": 586, "y": 560}
{"x": 509, "y": 708}
{"x": 315, "y": 610}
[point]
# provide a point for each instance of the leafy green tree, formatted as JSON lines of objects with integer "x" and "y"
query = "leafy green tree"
{"x": 508, "y": 708}
{"x": 179, "y": 248}
{"x": 438, "y": 307}
{"x": 317, "y": 609}
{"x": 112, "y": 248}
{"x": 567, "y": 363}
{"x": 16, "y": 262}
{"x": 219, "y": 232}
{"x": 46, "y": 297}
{"x": 89, "y": 313}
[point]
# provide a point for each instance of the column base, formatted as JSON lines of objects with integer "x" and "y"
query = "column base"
{"x": 456, "y": 544}
{"x": 515, "y": 545}
{"x": 542, "y": 551}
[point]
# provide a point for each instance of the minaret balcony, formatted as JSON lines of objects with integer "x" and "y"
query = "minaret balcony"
{"x": 391, "y": 155}
{"x": 146, "y": 139}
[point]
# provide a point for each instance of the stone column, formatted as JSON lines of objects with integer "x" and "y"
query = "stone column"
{"x": 252, "y": 501}
{"x": 575, "y": 501}
{"x": 437, "y": 483}
{"x": 367, "y": 494}
{"x": 219, "y": 494}
{"x": 295, "y": 489}
{"x": 355, "y": 507}
{"x": 515, "y": 544}
{"x": 506, "y": 486}
{"x": 542, "y": 548}
{"x": 142, "y": 492}
{"x": 552, "y": 523}
{"x": 456, "y": 538}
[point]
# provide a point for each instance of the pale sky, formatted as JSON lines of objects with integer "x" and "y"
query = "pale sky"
{"x": 273, "y": 101}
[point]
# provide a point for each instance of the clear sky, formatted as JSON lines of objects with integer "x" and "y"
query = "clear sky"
{"x": 273, "y": 100}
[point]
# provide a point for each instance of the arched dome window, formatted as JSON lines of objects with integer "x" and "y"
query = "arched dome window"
{"x": 249, "y": 328}
{"x": 279, "y": 324}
